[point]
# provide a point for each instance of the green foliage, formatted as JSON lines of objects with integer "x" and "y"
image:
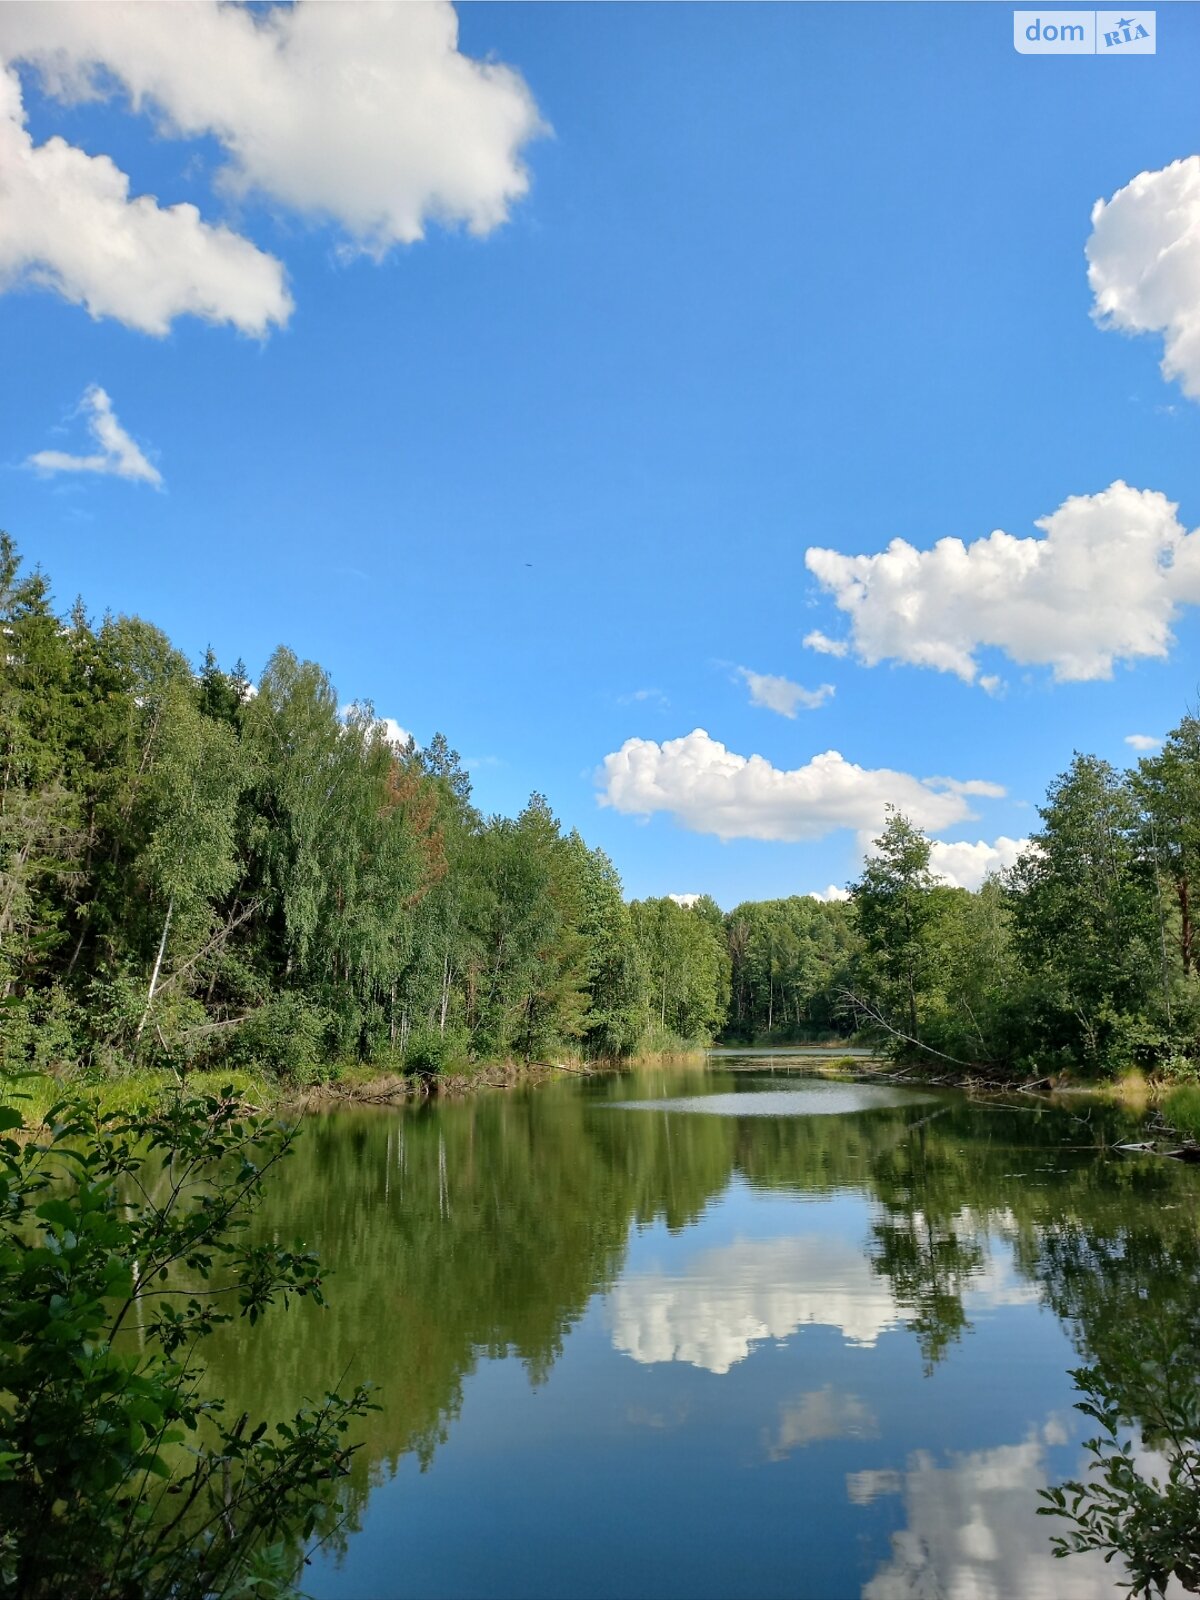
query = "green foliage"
{"x": 1178, "y": 1068}
{"x": 431, "y": 1051}
{"x": 934, "y": 974}
{"x": 192, "y": 873}
{"x": 685, "y": 966}
{"x": 1181, "y": 1108}
{"x": 287, "y": 1037}
{"x": 1149, "y": 1514}
{"x": 122, "y": 1248}
{"x": 1086, "y": 922}
{"x": 789, "y": 969}
{"x": 897, "y": 910}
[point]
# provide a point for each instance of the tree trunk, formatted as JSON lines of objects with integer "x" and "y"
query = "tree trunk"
{"x": 158, "y": 961}
{"x": 1185, "y": 924}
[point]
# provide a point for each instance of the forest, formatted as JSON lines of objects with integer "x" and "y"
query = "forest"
{"x": 200, "y": 871}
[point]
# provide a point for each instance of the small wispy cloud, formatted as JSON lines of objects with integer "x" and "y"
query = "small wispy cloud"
{"x": 781, "y": 694}
{"x": 1142, "y": 741}
{"x": 118, "y": 456}
{"x": 638, "y": 697}
{"x": 824, "y": 645}
{"x": 972, "y": 786}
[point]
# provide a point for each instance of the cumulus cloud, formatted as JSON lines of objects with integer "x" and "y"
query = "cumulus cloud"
{"x": 368, "y": 116}
{"x": 730, "y": 1299}
{"x": 1144, "y": 264}
{"x": 964, "y": 866}
{"x": 722, "y": 1303}
{"x": 687, "y": 901}
{"x": 823, "y": 645}
{"x": 709, "y": 789}
{"x": 67, "y": 223}
{"x": 781, "y": 694}
{"x": 1103, "y": 585}
{"x": 118, "y": 456}
{"x": 1143, "y": 741}
{"x": 386, "y": 728}
{"x": 830, "y": 894}
{"x": 972, "y": 1528}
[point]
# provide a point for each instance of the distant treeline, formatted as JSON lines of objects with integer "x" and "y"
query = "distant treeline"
{"x": 197, "y": 871}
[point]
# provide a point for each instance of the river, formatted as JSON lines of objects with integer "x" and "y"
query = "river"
{"x": 730, "y": 1331}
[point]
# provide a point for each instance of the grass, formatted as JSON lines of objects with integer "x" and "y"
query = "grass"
{"x": 1181, "y": 1108}
{"x": 35, "y": 1093}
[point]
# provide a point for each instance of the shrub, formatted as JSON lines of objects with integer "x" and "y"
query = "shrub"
{"x": 121, "y": 1249}
{"x": 430, "y": 1052}
{"x": 1178, "y": 1068}
{"x": 1148, "y": 1516}
{"x": 286, "y": 1038}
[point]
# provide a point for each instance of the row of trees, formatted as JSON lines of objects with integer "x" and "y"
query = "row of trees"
{"x": 1083, "y": 956}
{"x": 194, "y": 868}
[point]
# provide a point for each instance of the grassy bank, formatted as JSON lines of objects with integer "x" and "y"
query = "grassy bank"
{"x": 35, "y": 1093}
{"x": 358, "y": 1083}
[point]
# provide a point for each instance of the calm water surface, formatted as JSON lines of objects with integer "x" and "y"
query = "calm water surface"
{"x": 731, "y": 1332}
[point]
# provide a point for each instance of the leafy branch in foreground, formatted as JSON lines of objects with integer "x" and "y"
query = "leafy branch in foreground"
{"x": 122, "y": 1247}
{"x": 1125, "y": 1508}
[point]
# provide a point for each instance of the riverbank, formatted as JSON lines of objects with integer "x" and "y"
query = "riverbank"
{"x": 1171, "y": 1109}
{"x": 34, "y": 1095}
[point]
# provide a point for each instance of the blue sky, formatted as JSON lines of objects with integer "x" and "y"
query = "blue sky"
{"x": 783, "y": 277}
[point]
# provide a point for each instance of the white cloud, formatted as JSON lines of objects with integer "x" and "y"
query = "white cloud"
{"x": 709, "y": 789}
{"x": 865, "y": 1487}
{"x": 1144, "y": 264}
{"x": 991, "y": 683}
{"x": 973, "y": 1528}
{"x": 687, "y": 901}
{"x": 67, "y": 223}
{"x": 118, "y": 455}
{"x": 818, "y": 1415}
{"x": 964, "y": 865}
{"x": 781, "y": 694}
{"x": 384, "y": 727}
{"x": 823, "y": 645}
{"x": 730, "y": 1299}
{"x": 971, "y": 786}
{"x": 1143, "y": 741}
{"x": 365, "y": 115}
{"x": 1103, "y": 585}
{"x": 830, "y": 894}
{"x": 722, "y": 1303}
